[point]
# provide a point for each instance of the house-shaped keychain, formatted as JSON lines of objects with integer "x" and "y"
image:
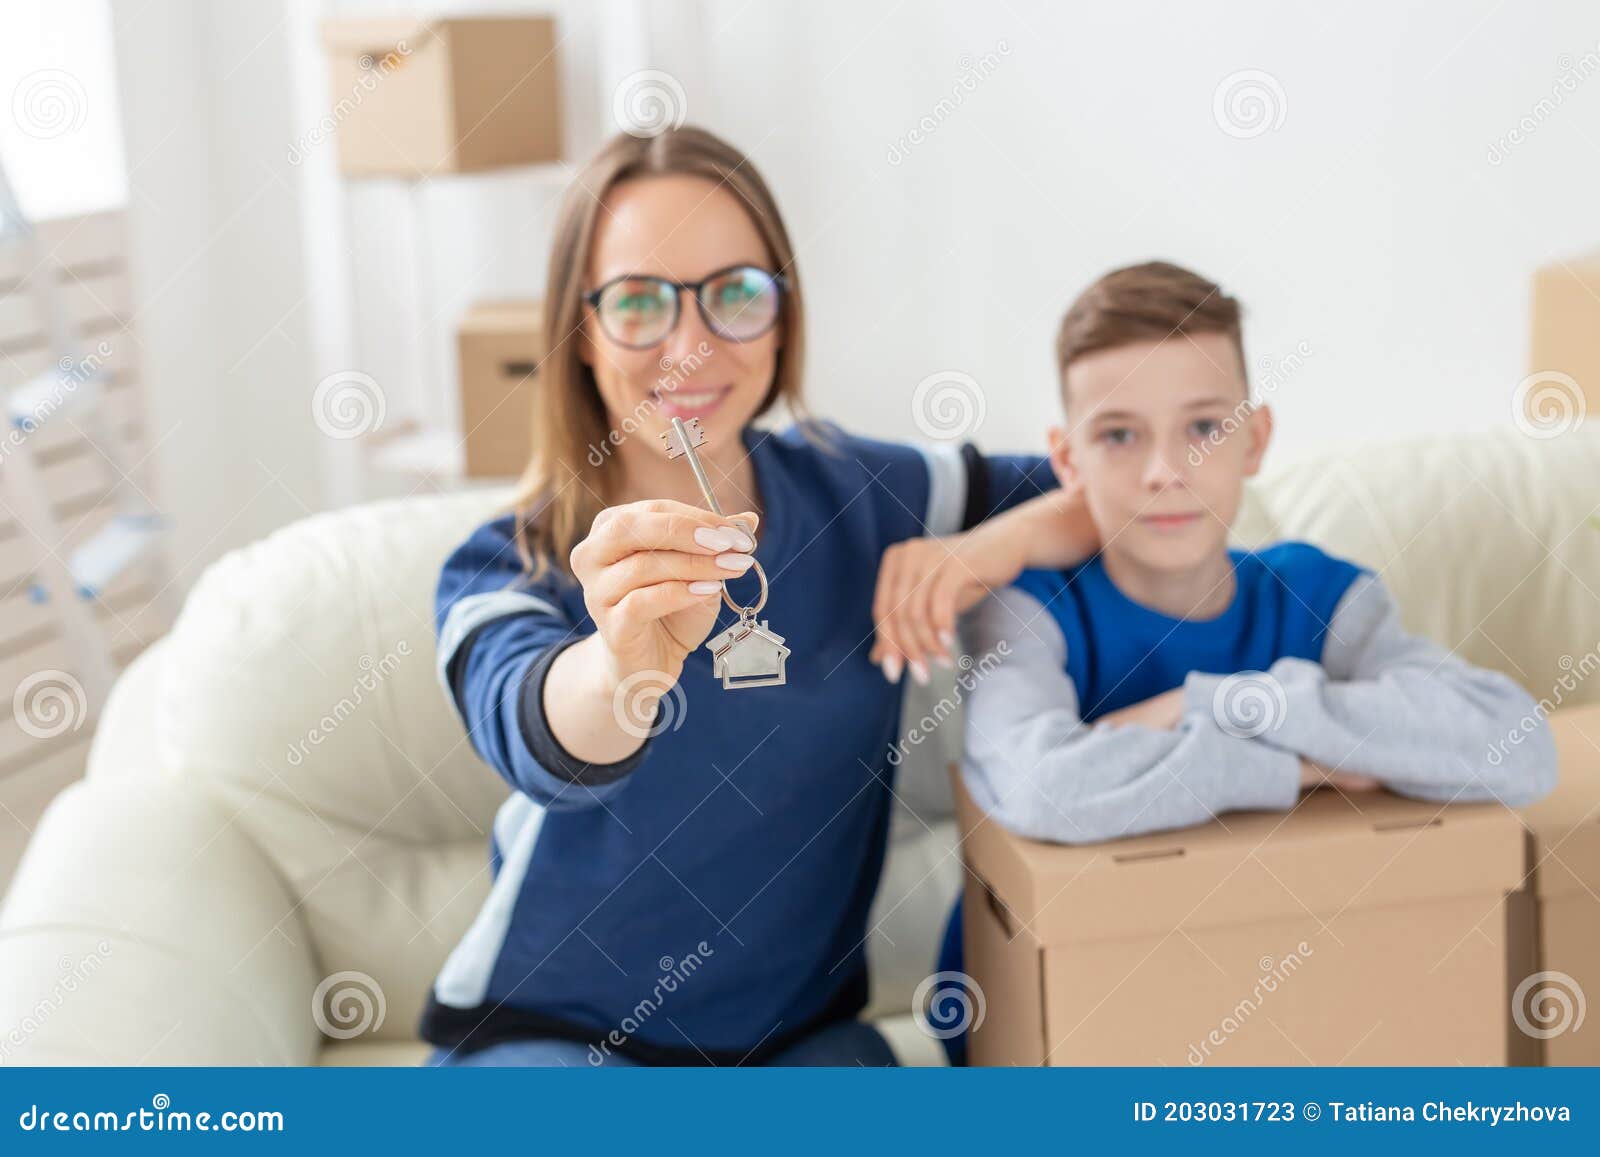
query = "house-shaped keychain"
{"x": 748, "y": 654}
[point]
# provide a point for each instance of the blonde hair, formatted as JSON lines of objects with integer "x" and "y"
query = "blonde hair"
{"x": 563, "y": 489}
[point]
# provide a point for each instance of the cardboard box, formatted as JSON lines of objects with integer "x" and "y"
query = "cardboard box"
{"x": 1371, "y": 930}
{"x": 1552, "y": 1001}
{"x": 1566, "y": 318}
{"x": 416, "y": 97}
{"x": 500, "y": 345}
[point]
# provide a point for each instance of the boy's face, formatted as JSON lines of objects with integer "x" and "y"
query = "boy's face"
{"x": 1160, "y": 436}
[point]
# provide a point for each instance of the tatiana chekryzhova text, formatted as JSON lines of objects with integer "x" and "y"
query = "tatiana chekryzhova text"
{"x": 1444, "y": 1111}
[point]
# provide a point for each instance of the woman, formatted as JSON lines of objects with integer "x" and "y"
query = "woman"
{"x": 683, "y": 873}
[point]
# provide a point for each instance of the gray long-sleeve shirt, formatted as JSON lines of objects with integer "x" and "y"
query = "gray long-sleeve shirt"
{"x": 1381, "y": 702}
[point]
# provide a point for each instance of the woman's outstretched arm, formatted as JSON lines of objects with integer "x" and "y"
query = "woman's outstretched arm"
{"x": 563, "y": 712}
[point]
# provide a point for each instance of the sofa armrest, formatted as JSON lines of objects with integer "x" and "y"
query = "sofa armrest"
{"x": 143, "y": 927}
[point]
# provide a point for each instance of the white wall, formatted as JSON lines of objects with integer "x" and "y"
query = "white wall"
{"x": 219, "y": 278}
{"x": 1371, "y": 225}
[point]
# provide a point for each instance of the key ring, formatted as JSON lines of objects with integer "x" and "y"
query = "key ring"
{"x": 747, "y": 612}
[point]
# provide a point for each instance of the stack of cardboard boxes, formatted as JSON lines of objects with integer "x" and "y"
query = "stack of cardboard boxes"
{"x": 415, "y": 98}
{"x": 1359, "y": 929}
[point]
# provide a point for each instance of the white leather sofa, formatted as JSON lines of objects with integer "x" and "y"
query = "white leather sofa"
{"x": 279, "y": 797}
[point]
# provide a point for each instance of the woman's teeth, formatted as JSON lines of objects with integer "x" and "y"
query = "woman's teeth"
{"x": 692, "y": 403}
{"x": 691, "y": 399}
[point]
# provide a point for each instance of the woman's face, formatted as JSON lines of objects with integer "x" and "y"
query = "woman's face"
{"x": 680, "y": 228}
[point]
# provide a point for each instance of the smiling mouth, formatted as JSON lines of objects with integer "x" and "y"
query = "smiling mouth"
{"x": 687, "y": 403}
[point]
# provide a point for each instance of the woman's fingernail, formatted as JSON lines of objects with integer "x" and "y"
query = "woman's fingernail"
{"x": 920, "y": 674}
{"x": 714, "y": 537}
{"x": 739, "y": 540}
{"x": 737, "y": 562}
{"x": 705, "y": 587}
{"x": 891, "y": 668}
{"x": 948, "y": 639}
{"x": 944, "y": 661}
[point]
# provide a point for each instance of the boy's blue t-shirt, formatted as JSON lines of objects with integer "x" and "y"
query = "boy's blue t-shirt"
{"x": 1120, "y": 652}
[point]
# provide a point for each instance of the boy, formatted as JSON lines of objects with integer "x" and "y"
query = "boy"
{"x": 1169, "y": 679}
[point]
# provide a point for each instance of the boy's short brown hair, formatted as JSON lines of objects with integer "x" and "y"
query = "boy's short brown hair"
{"x": 1148, "y": 302}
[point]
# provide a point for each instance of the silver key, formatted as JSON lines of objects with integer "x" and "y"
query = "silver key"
{"x": 749, "y": 653}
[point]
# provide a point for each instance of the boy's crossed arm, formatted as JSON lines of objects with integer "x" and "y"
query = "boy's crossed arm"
{"x": 1034, "y": 765}
{"x": 1383, "y": 707}
{"x": 1402, "y": 709}
{"x": 1164, "y": 711}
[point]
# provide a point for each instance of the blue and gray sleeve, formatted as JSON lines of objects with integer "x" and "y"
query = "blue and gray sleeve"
{"x": 1042, "y": 772}
{"x": 496, "y": 645}
{"x": 1400, "y": 708}
{"x": 965, "y": 486}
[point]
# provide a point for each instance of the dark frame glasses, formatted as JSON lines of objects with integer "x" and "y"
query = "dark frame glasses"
{"x": 606, "y": 303}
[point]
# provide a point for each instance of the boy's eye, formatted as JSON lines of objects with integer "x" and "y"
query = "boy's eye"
{"x": 1116, "y": 435}
{"x": 1205, "y": 427}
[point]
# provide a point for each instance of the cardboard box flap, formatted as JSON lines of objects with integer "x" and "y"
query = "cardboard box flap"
{"x": 1580, "y": 267}
{"x": 1566, "y": 823}
{"x": 503, "y": 317}
{"x": 1330, "y": 854}
{"x": 377, "y": 35}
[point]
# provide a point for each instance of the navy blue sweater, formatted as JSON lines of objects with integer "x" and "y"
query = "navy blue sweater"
{"x": 705, "y": 900}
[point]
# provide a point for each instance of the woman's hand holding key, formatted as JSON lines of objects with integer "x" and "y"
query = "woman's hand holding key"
{"x": 651, "y": 574}
{"x": 652, "y": 577}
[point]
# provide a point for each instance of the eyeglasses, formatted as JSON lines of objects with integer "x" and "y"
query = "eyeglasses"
{"x": 739, "y": 303}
